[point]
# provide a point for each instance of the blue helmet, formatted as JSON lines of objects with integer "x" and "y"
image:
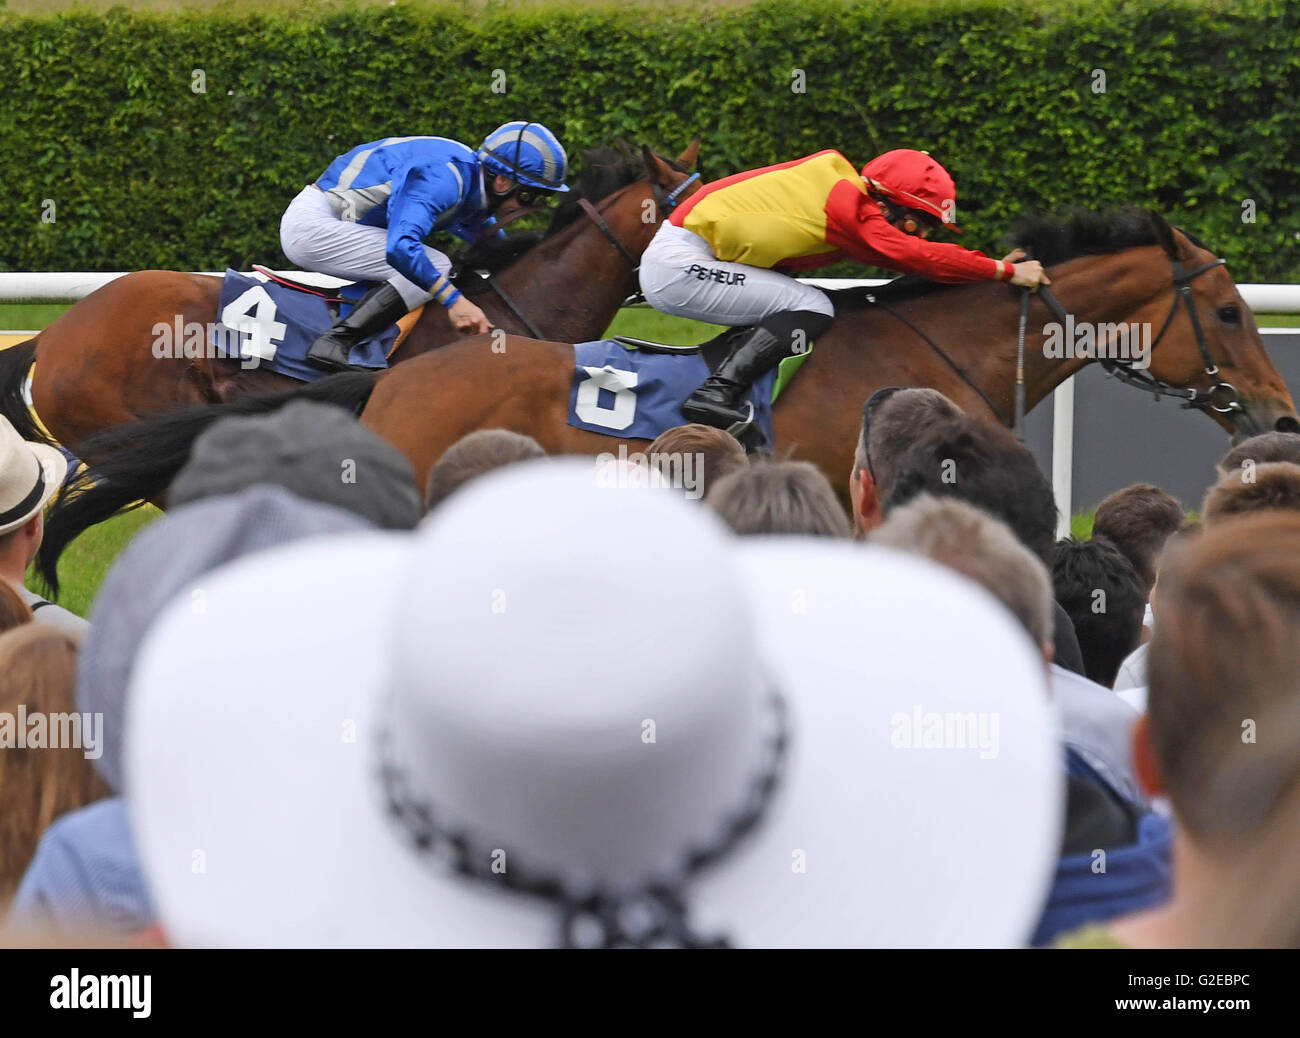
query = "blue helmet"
{"x": 528, "y": 153}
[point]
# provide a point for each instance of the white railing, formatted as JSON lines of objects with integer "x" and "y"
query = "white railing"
{"x": 68, "y": 287}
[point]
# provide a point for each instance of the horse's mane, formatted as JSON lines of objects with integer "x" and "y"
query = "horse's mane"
{"x": 604, "y": 171}
{"x": 1050, "y": 240}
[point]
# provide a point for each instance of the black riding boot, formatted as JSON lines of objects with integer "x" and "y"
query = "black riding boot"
{"x": 374, "y": 312}
{"x": 720, "y": 400}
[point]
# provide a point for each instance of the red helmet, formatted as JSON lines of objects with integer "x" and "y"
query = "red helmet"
{"x": 916, "y": 181}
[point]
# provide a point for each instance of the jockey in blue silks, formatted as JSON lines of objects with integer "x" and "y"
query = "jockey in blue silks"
{"x": 367, "y": 218}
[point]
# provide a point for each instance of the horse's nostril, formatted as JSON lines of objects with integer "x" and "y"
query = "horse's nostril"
{"x": 1287, "y": 424}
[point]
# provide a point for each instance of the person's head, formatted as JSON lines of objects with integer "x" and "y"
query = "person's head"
{"x": 13, "y": 610}
{"x": 893, "y": 419}
{"x": 524, "y": 160}
{"x": 30, "y": 474}
{"x": 1176, "y": 542}
{"x": 170, "y": 559}
{"x": 1221, "y": 736}
{"x": 975, "y": 544}
{"x": 1099, "y": 589}
{"x": 1274, "y": 484}
{"x": 1137, "y": 520}
{"x": 779, "y": 497}
{"x": 984, "y": 465}
{"x": 473, "y": 455}
{"x": 1261, "y": 449}
{"x": 317, "y": 451}
{"x": 40, "y": 782}
{"x": 707, "y": 453}
{"x": 914, "y": 191}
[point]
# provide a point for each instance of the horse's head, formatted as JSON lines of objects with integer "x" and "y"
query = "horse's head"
{"x": 1246, "y": 395}
{"x": 667, "y": 182}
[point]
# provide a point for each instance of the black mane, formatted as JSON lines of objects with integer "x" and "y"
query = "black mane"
{"x": 1048, "y": 239}
{"x": 1082, "y": 232}
{"x": 604, "y": 171}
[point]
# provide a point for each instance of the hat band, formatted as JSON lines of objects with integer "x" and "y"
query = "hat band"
{"x": 29, "y": 502}
{"x": 653, "y": 915}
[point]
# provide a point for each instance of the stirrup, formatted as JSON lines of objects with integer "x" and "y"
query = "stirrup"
{"x": 738, "y": 429}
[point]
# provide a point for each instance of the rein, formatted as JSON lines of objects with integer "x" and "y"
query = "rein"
{"x": 1199, "y": 399}
{"x": 939, "y": 350}
{"x": 1202, "y": 400}
{"x": 666, "y": 202}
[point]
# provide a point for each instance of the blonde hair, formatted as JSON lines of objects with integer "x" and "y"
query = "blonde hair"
{"x": 37, "y": 670}
{"x": 13, "y": 610}
{"x": 1224, "y": 718}
{"x": 979, "y": 546}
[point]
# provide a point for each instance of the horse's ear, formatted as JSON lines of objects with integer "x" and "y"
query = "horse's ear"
{"x": 656, "y": 168}
{"x": 1165, "y": 235}
{"x": 687, "y": 158}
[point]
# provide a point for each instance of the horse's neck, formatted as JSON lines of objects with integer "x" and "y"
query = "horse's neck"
{"x": 975, "y": 327}
{"x": 1116, "y": 288}
{"x": 572, "y": 284}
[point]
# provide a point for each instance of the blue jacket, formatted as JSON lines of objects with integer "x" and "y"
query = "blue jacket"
{"x": 85, "y": 875}
{"x": 413, "y": 186}
{"x": 1137, "y": 861}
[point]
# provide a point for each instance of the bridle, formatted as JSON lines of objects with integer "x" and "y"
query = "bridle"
{"x": 1222, "y": 396}
{"x": 665, "y": 202}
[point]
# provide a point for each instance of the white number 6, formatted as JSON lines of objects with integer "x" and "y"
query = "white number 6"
{"x": 612, "y": 380}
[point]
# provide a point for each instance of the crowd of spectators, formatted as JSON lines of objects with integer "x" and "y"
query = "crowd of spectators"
{"x": 727, "y": 702}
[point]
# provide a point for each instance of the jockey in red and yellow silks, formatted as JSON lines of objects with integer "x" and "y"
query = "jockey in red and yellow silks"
{"x": 721, "y": 256}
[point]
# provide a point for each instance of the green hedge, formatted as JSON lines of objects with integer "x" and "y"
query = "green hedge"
{"x": 1200, "y": 110}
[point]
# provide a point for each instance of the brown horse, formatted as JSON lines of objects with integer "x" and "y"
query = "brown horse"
{"x": 1122, "y": 267}
{"x": 95, "y": 366}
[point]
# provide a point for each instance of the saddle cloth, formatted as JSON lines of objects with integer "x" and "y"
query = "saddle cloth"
{"x": 265, "y": 323}
{"x": 637, "y": 394}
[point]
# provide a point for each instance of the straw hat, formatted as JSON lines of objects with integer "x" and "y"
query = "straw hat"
{"x": 30, "y": 473}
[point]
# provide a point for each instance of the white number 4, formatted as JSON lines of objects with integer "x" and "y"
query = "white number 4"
{"x": 253, "y": 314}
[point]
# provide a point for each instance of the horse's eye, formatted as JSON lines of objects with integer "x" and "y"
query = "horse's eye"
{"x": 1230, "y": 315}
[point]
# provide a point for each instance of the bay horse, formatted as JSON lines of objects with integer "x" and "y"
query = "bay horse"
{"x": 1124, "y": 266}
{"x": 95, "y": 368}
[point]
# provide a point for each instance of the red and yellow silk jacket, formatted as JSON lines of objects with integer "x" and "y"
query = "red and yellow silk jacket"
{"x": 813, "y": 212}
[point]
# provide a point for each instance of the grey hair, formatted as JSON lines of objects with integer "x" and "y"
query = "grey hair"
{"x": 898, "y": 424}
{"x": 979, "y": 546}
{"x": 779, "y": 497}
{"x": 1261, "y": 449}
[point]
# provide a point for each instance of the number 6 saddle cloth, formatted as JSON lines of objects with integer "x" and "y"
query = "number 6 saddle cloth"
{"x": 634, "y": 393}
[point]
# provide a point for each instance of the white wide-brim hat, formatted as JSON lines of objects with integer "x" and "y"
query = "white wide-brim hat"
{"x": 566, "y": 713}
{"x": 30, "y": 473}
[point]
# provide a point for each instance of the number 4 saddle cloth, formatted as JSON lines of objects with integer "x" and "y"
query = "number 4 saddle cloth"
{"x": 632, "y": 393}
{"x": 264, "y": 323}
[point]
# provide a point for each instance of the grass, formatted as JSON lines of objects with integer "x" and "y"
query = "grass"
{"x": 87, "y": 559}
{"x": 84, "y": 564}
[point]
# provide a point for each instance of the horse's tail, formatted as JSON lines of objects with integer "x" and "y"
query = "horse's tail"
{"x": 15, "y": 363}
{"x": 140, "y": 459}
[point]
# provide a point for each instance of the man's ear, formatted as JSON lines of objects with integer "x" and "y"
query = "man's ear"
{"x": 868, "y": 516}
{"x": 1145, "y": 765}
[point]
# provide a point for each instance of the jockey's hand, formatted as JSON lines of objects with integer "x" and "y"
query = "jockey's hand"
{"x": 1014, "y": 256}
{"x": 1029, "y": 274}
{"x": 468, "y": 318}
